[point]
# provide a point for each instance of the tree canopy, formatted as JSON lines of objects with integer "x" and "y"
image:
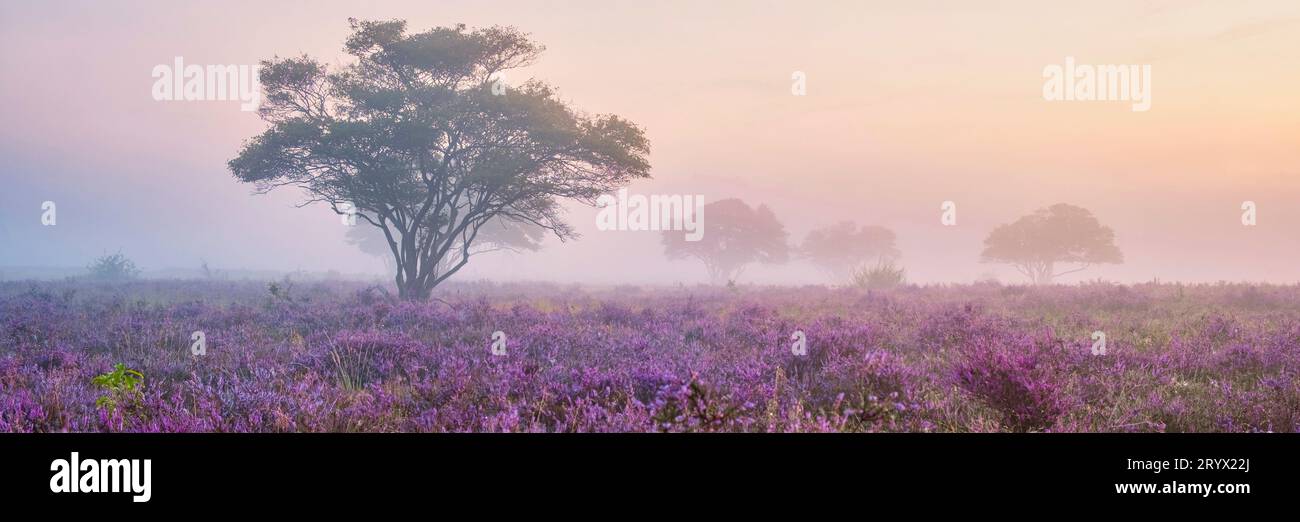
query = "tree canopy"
{"x": 842, "y": 248}
{"x": 1061, "y": 233}
{"x": 735, "y": 235}
{"x": 420, "y": 136}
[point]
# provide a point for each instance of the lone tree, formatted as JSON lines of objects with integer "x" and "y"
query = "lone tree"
{"x": 1062, "y": 233}
{"x": 116, "y": 267}
{"x": 421, "y": 137}
{"x": 735, "y": 235}
{"x": 843, "y": 248}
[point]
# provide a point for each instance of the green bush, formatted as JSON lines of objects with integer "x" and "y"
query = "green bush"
{"x": 122, "y": 385}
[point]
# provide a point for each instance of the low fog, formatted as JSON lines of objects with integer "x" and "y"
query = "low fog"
{"x": 903, "y": 112}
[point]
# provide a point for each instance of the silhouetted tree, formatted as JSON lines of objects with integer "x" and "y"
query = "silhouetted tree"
{"x": 735, "y": 235}
{"x": 843, "y": 248}
{"x": 424, "y": 140}
{"x": 116, "y": 267}
{"x": 1062, "y": 233}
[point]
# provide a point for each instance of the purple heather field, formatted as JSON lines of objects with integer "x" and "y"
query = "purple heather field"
{"x": 338, "y": 356}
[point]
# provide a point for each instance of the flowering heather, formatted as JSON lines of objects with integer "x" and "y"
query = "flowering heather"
{"x": 339, "y": 357}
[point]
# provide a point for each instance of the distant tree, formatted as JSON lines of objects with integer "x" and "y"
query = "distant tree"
{"x": 114, "y": 267}
{"x": 498, "y": 234}
{"x": 1062, "y": 233}
{"x": 422, "y": 138}
{"x": 844, "y": 248}
{"x": 735, "y": 235}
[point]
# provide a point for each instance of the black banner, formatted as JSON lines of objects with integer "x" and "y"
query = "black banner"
{"x": 1085, "y": 470}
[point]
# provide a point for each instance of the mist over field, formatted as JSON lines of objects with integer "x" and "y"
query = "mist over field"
{"x": 469, "y": 216}
{"x": 906, "y": 107}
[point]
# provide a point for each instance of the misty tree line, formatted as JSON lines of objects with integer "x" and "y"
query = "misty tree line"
{"x": 738, "y": 236}
{"x": 421, "y": 140}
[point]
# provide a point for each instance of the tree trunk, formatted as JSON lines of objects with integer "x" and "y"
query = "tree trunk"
{"x": 721, "y": 275}
{"x": 717, "y": 278}
{"x": 1044, "y": 275}
{"x": 412, "y": 290}
{"x": 408, "y": 285}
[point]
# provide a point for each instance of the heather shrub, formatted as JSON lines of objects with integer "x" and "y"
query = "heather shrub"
{"x": 356, "y": 359}
{"x": 942, "y": 358}
{"x": 694, "y": 407}
{"x": 873, "y": 390}
{"x": 1016, "y": 377}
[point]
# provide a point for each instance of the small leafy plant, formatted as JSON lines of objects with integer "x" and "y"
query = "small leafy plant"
{"x": 122, "y": 386}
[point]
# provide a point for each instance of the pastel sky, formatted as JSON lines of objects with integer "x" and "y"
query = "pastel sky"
{"x": 908, "y": 105}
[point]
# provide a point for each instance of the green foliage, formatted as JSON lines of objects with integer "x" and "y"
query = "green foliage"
{"x": 114, "y": 267}
{"x": 122, "y": 385}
